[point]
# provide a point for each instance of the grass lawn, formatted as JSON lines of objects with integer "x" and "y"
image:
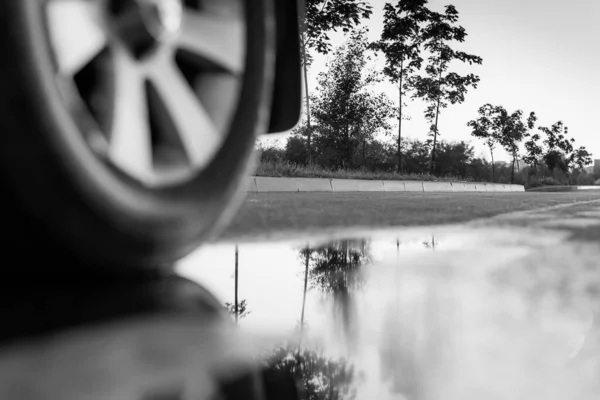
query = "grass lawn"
{"x": 268, "y": 213}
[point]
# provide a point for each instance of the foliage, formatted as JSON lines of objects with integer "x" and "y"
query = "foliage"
{"x": 337, "y": 267}
{"x": 581, "y": 158}
{"x": 400, "y": 39}
{"x": 533, "y": 150}
{"x": 559, "y": 147}
{"x": 337, "y": 271}
{"x": 453, "y": 159}
{"x": 495, "y": 126}
{"x": 242, "y": 309}
{"x": 439, "y": 88}
{"x": 319, "y": 377}
{"x": 323, "y": 16}
{"x": 270, "y": 153}
{"x": 486, "y": 128}
{"x": 513, "y": 131}
{"x": 290, "y": 169}
{"x": 296, "y": 149}
{"x": 317, "y": 19}
{"x": 346, "y": 112}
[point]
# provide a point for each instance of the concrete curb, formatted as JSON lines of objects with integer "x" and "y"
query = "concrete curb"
{"x": 564, "y": 188}
{"x": 261, "y": 184}
{"x": 357, "y": 185}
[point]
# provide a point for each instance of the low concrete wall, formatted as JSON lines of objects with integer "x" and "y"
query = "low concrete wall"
{"x": 588, "y": 187}
{"x": 394, "y": 186}
{"x": 249, "y": 185}
{"x": 266, "y": 184}
{"x": 262, "y": 184}
{"x": 437, "y": 187}
{"x": 480, "y": 187}
{"x": 414, "y": 186}
{"x": 314, "y": 185}
{"x": 357, "y": 185}
{"x": 470, "y": 187}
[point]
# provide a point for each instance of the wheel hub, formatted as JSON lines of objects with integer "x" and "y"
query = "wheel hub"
{"x": 159, "y": 79}
{"x": 162, "y": 17}
{"x": 144, "y": 25}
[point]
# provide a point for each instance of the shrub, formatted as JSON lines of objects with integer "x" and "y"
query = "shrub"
{"x": 585, "y": 179}
{"x": 289, "y": 169}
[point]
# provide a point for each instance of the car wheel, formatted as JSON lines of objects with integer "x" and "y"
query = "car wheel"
{"x": 129, "y": 124}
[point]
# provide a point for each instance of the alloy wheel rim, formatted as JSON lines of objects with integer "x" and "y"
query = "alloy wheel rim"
{"x": 159, "y": 79}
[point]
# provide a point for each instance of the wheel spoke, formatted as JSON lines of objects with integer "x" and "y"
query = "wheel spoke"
{"x": 197, "y": 132}
{"x": 130, "y": 140}
{"x": 219, "y": 40}
{"x": 77, "y": 32}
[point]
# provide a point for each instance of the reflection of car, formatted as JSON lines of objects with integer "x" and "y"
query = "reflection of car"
{"x": 129, "y": 124}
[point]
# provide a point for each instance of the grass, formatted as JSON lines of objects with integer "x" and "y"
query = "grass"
{"x": 291, "y": 170}
{"x": 276, "y": 213}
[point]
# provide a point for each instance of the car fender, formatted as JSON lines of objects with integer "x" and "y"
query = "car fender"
{"x": 287, "y": 91}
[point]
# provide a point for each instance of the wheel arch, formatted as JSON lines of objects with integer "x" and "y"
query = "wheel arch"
{"x": 287, "y": 91}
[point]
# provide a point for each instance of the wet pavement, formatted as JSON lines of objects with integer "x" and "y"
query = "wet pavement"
{"x": 500, "y": 308}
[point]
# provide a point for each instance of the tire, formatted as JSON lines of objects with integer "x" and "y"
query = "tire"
{"x": 65, "y": 190}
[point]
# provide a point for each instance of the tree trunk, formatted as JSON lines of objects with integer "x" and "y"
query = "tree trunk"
{"x": 400, "y": 118}
{"x": 437, "y": 114}
{"x": 493, "y": 165}
{"x": 363, "y": 153}
{"x": 512, "y": 172}
{"x": 308, "y": 125}
{"x": 236, "y": 285}
{"x": 307, "y": 255}
{"x": 348, "y": 146}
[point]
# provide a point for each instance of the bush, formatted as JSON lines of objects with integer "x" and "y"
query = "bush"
{"x": 270, "y": 153}
{"x": 293, "y": 170}
{"x": 585, "y": 179}
{"x": 296, "y": 150}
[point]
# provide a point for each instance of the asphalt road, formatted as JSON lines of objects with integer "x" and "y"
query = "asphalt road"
{"x": 267, "y": 214}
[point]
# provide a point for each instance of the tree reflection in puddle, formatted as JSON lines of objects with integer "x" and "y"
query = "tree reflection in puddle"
{"x": 238, "y": 309}
{"x": 336, "y": 271}
{"x": 318, "y": 377}
{"x": 318, "y": 292}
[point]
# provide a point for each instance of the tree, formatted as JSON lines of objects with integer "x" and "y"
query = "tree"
{"x": 496, "y": 126}
{"x": 296, "y": 148}
{"x": 336, "y": 270}
{"x": 513, "y": 131}
{"x": 533, "y": 150}
{"x": 375, "y": 111}
{"x": 240, "y": 312}
{"x": 346, "y": 112}
{"x": 416, "y": 155}
{"x": 582, "y": 158}
{"x": 486, "y": 128}
{"x": 318, "y": 377}
{"x": 318, "y": 19}
{"x": 453, "y": 159}
{"x": 400, "y": 43}
{"x": 559, "y": 147}
{"x": 439, "y": 88}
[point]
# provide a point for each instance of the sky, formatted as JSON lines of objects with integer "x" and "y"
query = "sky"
{"x": 538, "y": 55}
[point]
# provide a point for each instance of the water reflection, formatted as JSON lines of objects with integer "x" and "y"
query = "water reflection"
{"x": 237, "y": 309}
{"x": 318, "y": 377}
{"x": 467, "y": 314}
{"x": 335, "y": 270}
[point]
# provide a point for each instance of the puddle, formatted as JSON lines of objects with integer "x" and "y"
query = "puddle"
{"x": 428, "y": 313}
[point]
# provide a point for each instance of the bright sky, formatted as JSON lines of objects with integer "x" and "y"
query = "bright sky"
{"x": 538, "y": 55}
